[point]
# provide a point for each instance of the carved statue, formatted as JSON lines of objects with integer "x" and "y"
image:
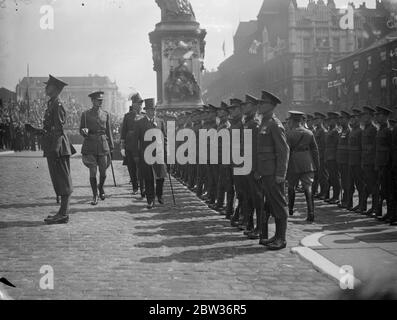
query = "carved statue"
{"x": 176, "y": 10}
{"x": 181, "y": 84}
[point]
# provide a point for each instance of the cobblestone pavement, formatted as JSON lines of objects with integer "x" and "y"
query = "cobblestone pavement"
{"x": 120, "y": 250}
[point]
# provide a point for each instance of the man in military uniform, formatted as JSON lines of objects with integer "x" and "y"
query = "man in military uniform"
{"x": 98, "y": 144}
{"x": 272, "y": 155}
{"x": 331, "y": 145}
{"x": 321, "y": 177}
{"x": 303, "y": 162}
{"x": 249, "y": 195}
{"x": 355, "y": 149}
{"x": 154, "y": 175}
{"x": 57, "y": 148}
{"x": 383, "y": 164}
{"x": 310, "y": 122}
{"x": 128, "y": 132}
{"x": 342, "y": 159}
{"x": 225, "y": 177}
{"x": 368, "y": 143}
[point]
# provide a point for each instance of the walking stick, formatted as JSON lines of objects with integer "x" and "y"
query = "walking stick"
{"x": 172, "y": 189}
{"x": 111, "y": 165}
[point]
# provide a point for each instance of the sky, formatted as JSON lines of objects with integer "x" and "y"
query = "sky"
{"x": 108, "y": 37}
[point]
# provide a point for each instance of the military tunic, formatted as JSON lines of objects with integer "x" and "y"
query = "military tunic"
{"x": 57, "y": 148}
{"x": 272, "y": 155}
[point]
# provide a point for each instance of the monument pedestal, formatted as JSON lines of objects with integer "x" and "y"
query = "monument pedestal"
{"x": 178, "y": 56}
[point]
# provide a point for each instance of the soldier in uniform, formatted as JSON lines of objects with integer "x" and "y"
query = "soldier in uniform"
{"x": 342, "y": 159}
{"x": 368, "y": 143}
{"x": 310, "y": 122}
{"x": 303, "y": 162}
{"x": 128, "y": 132}
{"x": 57, "y": 148}
{"x": 331, "y": 145}
{"x": 322, "y": 176}
{"x": 155, "y": 174}
{"x": 225, "y": 177}
{"x": 383, "y": 164}
{"x": 355, "y": 149}
{"x": 272, "y": 155}
{"x": 98, "y": 144}
{"x": 249, "y": 195}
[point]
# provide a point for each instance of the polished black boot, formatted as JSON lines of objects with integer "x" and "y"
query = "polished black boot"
{"x": 280, "y": 241}
{"x": 291, "y": 200}
{"x": 94, "y": 187}
{"x": 234, "y": 221}
{"x": 229, "y": 205}
{"x": 100, "y": 187}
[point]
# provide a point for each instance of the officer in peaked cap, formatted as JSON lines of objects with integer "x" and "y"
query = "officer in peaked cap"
{"x": 128, "y": 136}
{"x": 368, "y": 152}
{"x": 342, "y": 159}
{"x": 155, "y": 174}
{"x": 304, "y": 161}
{"x": 383, "y": 165}
{"x": 331, "y": 145}
{"x": 271, "y": 169}
{"x": 309, "y": 122}
{"x": 95, "y": 127}
{"x": 356, "y": 179}
{"x": 57, "y": 148}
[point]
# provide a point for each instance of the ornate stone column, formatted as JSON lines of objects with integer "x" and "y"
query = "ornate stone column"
{"x": 178, "y": 54}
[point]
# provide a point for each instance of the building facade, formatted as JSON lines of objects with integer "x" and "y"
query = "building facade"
{"x": 366, "y": 77}
{"x": 288, "y": 51}
{"x": 77, "y": 91}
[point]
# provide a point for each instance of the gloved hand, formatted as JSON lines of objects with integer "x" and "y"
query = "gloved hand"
{"x": 84, "y": 131}
{"x": 122, "y": 151}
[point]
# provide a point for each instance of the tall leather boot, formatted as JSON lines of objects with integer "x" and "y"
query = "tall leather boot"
{"x": 229, "y": 204}
{"x": 310, "y": 205}
{"x": 280, "y": 241}
{"x": 236, "y": 216}
{"x": 94, "y": 187}
{"x": 100, "y": 187}
{"x": 291, "y": 200}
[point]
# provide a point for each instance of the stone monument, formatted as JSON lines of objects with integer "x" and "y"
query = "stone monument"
{"x": 178, "y": 55}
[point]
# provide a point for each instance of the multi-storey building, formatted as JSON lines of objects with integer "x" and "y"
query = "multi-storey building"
{"x": 366, "y": 77}
{"x": 288, "y": 51}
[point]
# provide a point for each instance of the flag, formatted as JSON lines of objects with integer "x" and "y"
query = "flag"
{"x": 224, "y": 48}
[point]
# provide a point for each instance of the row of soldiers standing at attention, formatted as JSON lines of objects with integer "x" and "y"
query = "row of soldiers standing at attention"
{"x": 358, "y": 151}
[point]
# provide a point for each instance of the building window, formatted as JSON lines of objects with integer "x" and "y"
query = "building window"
{"x": 383, "y": 56}
{"x": 336, "y": 44}
{"x": 307, "y": 45}
{"x": 356, "y": 65}
{"x": 338, "y": 70}
{"x": 306, "y": 67}
{"x": 369, "y": 61}
{"x": 369, "y": 85}
{"x": 383, "y": 83}
{"x": 308, "y": 91}
{"x": 356, "y": 88}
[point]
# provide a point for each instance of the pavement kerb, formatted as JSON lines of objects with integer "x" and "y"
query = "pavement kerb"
{"x": 4, "y": 153}
{"x": 319, "y": 262}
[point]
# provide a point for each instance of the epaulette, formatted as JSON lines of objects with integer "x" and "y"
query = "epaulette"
{"x": 277, "y": 122}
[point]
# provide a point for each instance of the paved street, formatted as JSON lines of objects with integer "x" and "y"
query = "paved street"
{"x": 120, "y": 250}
